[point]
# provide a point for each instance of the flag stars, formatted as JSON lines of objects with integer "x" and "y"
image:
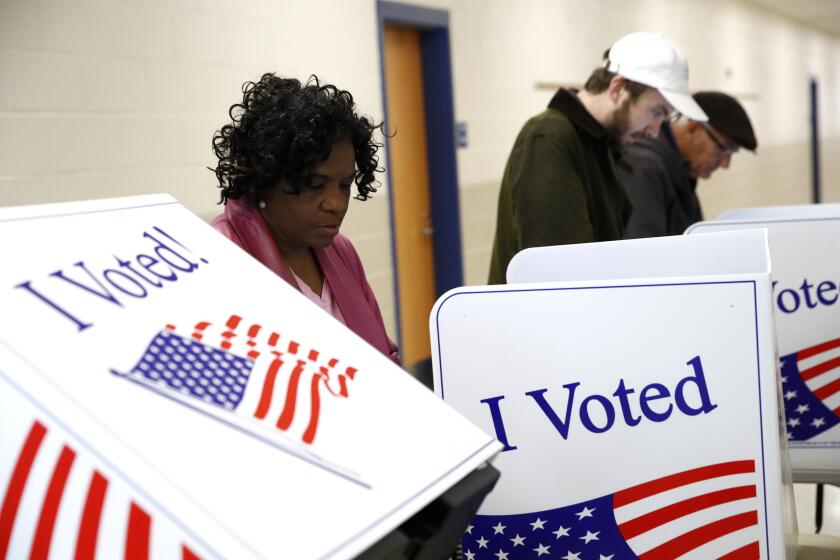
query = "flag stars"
{"x": 602, "y": 557}
{"x": 501, "y": 555}
{"x": 802, "y": 409}
{"x": 482, "y": 542}
{"x": 793, "y": 422}
{"x": 469, "y": 555}
{"x": 517, "y": 540}
{"x": 562, "y": 532}
{"x": 585, "y": 512}
{"x": 571, "y": 556}
{"x": 538, "y": 524}
{"x": 784, "y": 379}
{"x": 499, "y": 529}
{"x": 541, "y": 549}
{"x": 590, "y": 536}
{"x": 469, "y": 529}
{"x": 818, "y": 422}
{"x": 790, "y": 395}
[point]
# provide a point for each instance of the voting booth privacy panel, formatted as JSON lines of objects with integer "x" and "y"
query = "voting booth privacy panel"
{"x": 163, "y": 392}
{"x": 636, "y": 398}
{"x": 806, "y": 281}
{"x": 798, "y": 211}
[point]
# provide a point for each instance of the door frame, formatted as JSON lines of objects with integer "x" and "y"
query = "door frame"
{"x": 433, "y": 27}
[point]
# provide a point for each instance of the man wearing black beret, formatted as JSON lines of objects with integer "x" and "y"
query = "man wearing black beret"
{"x": 662, "y": 174}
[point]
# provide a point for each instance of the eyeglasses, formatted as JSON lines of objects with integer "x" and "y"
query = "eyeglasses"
{"x": 718, "y": 142}
{"x": 658, "y": 113}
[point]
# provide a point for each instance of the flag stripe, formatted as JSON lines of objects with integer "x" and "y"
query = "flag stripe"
{"x": 89, "y": 527}
{"x": 49, "y": 509}
{"x": 659, "y": 517}
{"x": 137, "y": 536}
{"x": 819, "y": 369}
{"x": 678, "y": 546}
{"x": 749, "y": 552}
{"x": 187, "y": 554}
{"x": 16, "y": 483}
{"x": 817, "y": 349}
{"x": 288, "y": 413}
{"x": 233, "y": 322}
{"x": 314, "y": 411}
{"x": 827, "y": 390}
{"x": 644, "y": 490}
{"x": 268, "y": 389}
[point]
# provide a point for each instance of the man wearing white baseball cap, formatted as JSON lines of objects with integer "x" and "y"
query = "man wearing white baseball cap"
{"x": 652, "y": 60}
{"x": 560, "y": 184}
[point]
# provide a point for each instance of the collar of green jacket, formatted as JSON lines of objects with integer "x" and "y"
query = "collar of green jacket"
{"x": 567, "y": 102}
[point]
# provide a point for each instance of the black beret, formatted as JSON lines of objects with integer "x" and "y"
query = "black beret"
{"x": 727, "y": 116}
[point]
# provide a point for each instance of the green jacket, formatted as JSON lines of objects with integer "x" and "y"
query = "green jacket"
{"x": 559, "y": 186}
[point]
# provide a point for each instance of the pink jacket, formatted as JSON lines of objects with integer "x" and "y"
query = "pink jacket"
{"x": 342, "y": 268}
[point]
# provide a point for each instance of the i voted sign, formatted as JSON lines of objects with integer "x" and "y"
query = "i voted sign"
{"x": 148, "y": 362}
{"x": 806, "y": 290}
{"x": 632, "y": 410}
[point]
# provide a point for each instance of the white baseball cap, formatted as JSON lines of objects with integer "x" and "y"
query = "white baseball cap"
{"x": 651, "y": 59}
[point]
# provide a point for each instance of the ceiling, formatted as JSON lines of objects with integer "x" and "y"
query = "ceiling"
{"x": 822, "y": 14}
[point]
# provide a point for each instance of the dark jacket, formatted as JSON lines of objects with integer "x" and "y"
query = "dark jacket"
{"x": 662, "y": 193}
{"x": 559, "y": 185}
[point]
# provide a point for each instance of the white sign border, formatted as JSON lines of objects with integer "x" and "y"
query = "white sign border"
{"x": 641, "y": 285}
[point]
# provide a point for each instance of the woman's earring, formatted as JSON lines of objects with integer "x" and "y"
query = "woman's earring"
{"x": 261, "y": 204}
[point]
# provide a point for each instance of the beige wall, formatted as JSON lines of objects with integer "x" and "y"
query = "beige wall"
{"x": 113, "y": 97}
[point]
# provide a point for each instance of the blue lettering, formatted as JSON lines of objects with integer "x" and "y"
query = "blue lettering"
{"x": 586, "y": 419}
{"x": 781, "y": 302}
{"x": 28, "y": 287}
{"x": 622, "y": 394}
{"x": 789, "y": 300}
{"x": 104, "y": 293}
{"x": 699, "y": 379}
{"x": 109, "y": 273}
{"x": 498, "y": 423}
{"x": 824, "y": 287}
{"x": 128, "y": 279}
{"x": 560, "y": 425}
{"x": 167, "y": 249}
{"x": 147, "y": 262}
{"x": 645, "y": 398}
{"x": 806, "y": 293}
{"x": 597, "y": 413}
{"x": 127, "y": 265}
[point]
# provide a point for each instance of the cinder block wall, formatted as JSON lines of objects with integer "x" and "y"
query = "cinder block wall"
{"x": 103, "y": 98}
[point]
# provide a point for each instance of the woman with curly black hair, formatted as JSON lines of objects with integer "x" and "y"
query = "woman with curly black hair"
{"x": 287, "y": 165}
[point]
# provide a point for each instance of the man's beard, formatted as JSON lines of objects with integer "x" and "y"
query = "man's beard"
{"x": 619, "y": 123}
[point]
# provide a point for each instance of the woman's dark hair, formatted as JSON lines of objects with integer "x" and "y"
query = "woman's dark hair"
{"x": 282, "y": 129}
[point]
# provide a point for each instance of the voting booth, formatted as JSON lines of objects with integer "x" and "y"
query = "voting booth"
{"x": 633, "y": 385}
{"x": 799, "y": 211}
{"x": 164, "y": 395}
{"x": 806, "y": 276}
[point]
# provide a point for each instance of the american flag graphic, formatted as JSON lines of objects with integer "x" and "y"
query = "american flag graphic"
{"x": 706, "y": 512}
{"x": 811, "y": 390}
{"x": 58, "y": 503}
{"x": 249, "y": 371}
